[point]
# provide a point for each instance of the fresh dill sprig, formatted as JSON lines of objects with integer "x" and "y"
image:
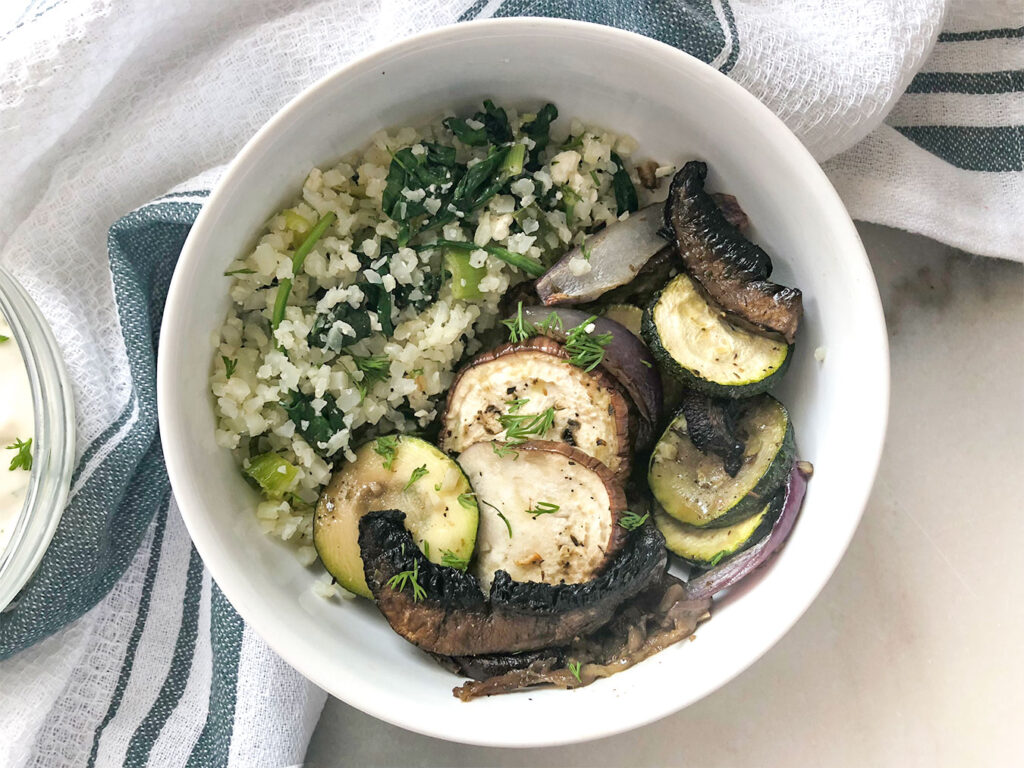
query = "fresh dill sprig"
{"x": 515, "y": 405}
{"x": 229, "y": 366}
{"x": 450, "y": 560}
{"x": 4, "y": 338}
{"x": 386, "y": 446}
{"x": 542, "y": 508}
{"x": 518, "y": 328}
{"x": 399, "y": 581}
{"x": 374, "y": 367}
{"x": 585, "y": 348}
{"x": 631, "y": 520}
{"x": 504, "y": 449}
{"x": 647, "y": 363}
{"x": 23, "y": 457}
{"x": 520, "y": 426}
{"x": 417, "y": 473}
{"x": 574, "y": 667}
{"x": 232, "y": 272}
{"x": 505, "y": 520}
{"x": 467, "y": 500}
{"x": 587, "y": 253}
{"x": 551, "y": 323}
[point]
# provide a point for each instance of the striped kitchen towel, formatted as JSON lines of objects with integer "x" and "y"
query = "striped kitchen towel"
{"x": 121, "y": 651}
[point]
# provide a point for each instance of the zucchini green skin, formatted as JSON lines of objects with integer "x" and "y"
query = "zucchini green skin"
{"x": 692, "y": 378}
{"x": 750, "y": 503}
{"x": 438, "y": 518}
{"x": 707, "y": 547}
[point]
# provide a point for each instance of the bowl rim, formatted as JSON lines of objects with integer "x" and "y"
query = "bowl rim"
{"x": 191, "y": 506}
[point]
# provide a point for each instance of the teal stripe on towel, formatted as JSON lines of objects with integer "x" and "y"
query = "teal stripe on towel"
{"x": 177, "y": 676}
{"x": 133, "y": 641}
{"x": 226, "y": 632}
{"x": 972, "y": 148}
{"x": 1008, "y": 81}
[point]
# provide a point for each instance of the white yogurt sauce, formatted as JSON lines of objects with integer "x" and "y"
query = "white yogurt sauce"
{"x": 16, "y": 423}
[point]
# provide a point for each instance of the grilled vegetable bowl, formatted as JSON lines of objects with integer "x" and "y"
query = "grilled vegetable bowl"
{"x": 516, "y": 465}
{"x": 521, "y": 388}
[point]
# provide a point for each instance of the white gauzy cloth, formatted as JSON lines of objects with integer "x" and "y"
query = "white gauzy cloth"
{"x": 105, "y": 105}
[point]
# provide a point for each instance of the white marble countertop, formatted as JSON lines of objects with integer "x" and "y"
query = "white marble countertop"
{"x": 913, "y": 655}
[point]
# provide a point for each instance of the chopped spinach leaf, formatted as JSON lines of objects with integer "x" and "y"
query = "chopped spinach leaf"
{"x": 316, "y": 428}
{"x": 625, "y": 192}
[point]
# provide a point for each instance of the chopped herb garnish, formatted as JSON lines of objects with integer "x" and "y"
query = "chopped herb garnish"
{"x": 520, "y": 426}
{"x": 551, "y": 323}
{"x": 4, "y": 338}
{"x": 573, "y": 142}
{"x": 504, "y": 449}
{"x": 543, "y": 508}
{"x": 593, "y": 175}
{"x": 317, "y": 426}
{"x": 717, "y": 558}
{"x": 505, "y": 520}
{"x": 229, "y": 366}
{"x": 437, "y": 487}
{"x": 518, "y": 328}
{"x": 298, "y": 259}
{"x": 245, "y": 271}
{"x": 631, "y": 520}
{"x": 586, "y": 251}
{"x": 375, "y": 367}
{"x": 399, "y": 581}
{"x": 625, "y": 192}
{"x": 647, "y": 363}
{"x": 467, "y": 500}
{"x": 23, "y": 458}
{"x": 417, "y": 473}
{"x": 569, "y": 199}
{"x": 386, "y": 446}
{"x": 584, "y": 347}
{"x": 426, "y": 548}
{"x": 450, "y": 560}
{"x": 574, "y": 667}
{"x": 515, "y": 405}
{"x": 530, "y": 266}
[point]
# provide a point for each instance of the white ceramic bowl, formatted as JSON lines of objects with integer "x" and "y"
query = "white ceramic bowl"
{"x": 677, "y": 108}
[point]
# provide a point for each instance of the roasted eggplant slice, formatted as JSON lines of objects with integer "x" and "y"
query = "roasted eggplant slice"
{"x": 549, "y": 512}
{"x": 610, "y": 258}
{"x": 693, "y": 342}
{"x": 510, "y": 386}
{"x": 732, "y": 270}
{"x": 694, "y": 488}
{"x": 442, "y": 610}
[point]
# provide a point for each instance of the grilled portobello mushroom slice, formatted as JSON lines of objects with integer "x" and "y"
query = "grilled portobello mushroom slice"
{"x": 730, "y": 269}
{"x": 660, "y": 616}
{"x": 442, "y": 610}
{"x": 590, "y": 411}
{"x": 711, "y": 425}
{"x": 549, "y": 512}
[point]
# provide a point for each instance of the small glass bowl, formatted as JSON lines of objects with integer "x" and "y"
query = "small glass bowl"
{"x": 53, "y": 446}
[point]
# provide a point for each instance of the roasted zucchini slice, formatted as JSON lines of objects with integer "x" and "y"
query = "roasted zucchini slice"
{"x": 694, "y": 342}
{"x": 403, "y": 473}
{"x": 695, "y": 489}
{"x": 707, "y": 547}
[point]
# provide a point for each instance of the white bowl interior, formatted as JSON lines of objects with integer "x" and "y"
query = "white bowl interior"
{"x": 677, "y": 109}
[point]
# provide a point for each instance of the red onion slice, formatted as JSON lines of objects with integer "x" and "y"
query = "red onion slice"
{"x": 615, "y": 255}
{"x": 626, "y": 358}
{"x": 742, "y": 565}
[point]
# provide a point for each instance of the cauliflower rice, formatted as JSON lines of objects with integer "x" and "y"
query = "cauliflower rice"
{"x": 256, "y": 369}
